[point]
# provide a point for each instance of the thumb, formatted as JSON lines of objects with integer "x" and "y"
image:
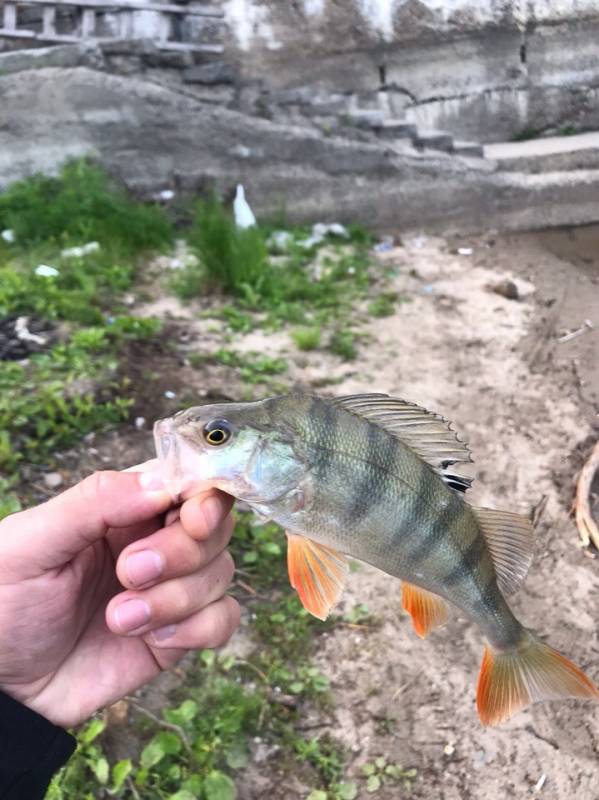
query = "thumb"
{"x": 51, "y": 534}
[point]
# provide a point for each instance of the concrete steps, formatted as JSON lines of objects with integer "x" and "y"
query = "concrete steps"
{"x": 400, "y": 133}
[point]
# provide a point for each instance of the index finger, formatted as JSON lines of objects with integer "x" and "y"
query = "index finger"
{"x": 202, "y": 514}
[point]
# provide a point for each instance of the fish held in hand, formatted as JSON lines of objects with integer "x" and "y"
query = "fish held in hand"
{"x": 370, "y": 477}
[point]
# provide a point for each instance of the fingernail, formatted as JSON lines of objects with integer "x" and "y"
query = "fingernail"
{"x": 213, "y": 511}
{"x": 132, "y": 614}
{"x": 161, "y": 634}
{"x": 151, "y": 481}
{"x": 144, "y": 566}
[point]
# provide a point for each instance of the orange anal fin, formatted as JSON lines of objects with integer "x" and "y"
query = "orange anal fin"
{"x": 428, "y": 611}
{"x": 511, "y": 681}
{"x": 317, "y": 573}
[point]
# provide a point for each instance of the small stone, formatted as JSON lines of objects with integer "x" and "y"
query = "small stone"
{"x": 53, "y": 480}
{"x": 140, "y": 422}
{"x": 449, "y": 749}
{"x": 506, "y": 288}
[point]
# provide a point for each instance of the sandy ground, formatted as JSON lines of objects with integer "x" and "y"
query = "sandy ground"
{"x": 526, "y": 403}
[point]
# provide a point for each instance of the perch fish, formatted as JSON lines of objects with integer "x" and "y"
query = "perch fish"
{"x": 368, "y": 476}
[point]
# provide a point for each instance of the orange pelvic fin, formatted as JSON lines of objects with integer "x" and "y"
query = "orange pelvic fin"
{"x": 428, "y": 611}
{"x": 533, "y": 671}
{"x": 317, "y": 573}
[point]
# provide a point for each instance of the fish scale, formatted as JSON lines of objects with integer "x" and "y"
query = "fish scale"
{"x": 366, "y": 476}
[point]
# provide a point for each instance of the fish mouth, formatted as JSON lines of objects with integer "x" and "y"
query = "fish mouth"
{"x": 171, "y": 450}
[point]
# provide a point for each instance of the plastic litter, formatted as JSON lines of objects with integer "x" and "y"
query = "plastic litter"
{"x": 384, "y": 245}
{"x": 82, "y": 250}
{"x": 465, "y": 251}
{"x": 170, "y": 395}
{"x": 8, "y": 235}
{"x": 244, "y": 216}
{"x": 46, "y": 271}
{"x": 279, "y": 241}
{"x": 321, "y": 230}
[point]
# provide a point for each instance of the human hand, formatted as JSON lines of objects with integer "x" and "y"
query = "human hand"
{"x": 71, "y": 640}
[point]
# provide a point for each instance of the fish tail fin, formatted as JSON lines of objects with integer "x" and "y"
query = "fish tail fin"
{"x": 509, "y": 681}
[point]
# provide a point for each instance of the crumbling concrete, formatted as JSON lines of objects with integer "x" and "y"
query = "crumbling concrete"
{"x": 155, "y": 138}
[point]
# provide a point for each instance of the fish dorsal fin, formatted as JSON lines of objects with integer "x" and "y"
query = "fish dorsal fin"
{"x": 317, "y": 573}
{"x": 510, "y": 540}
{"x": 428, "y": 434}
{"x": 428, "y": 611}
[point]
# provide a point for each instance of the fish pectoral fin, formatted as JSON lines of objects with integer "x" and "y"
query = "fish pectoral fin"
{"x": 428, "y": 610}
{"x": 317, "y": 573}
{"x": 510, "y": 539}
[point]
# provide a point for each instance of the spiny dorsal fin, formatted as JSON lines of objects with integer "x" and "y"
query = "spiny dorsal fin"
{"x": 428, "y": 610}
{"x": 316, "y": 572}
{"x": 510, "y": 540}
{"x": 428, "y": 434}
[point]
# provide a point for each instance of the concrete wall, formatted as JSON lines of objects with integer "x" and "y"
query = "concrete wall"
{"x": 481, "y": 69}
{"x": 153, "y": 138}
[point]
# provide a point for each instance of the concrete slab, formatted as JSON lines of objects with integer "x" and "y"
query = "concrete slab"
{"x": 543, "y": 147}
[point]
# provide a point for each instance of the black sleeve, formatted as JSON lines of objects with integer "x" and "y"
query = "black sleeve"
{"x": 31, "y": 751}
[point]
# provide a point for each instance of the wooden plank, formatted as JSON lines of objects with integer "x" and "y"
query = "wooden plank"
{"x": 49, "y": 21}
{"x": 110, "y": 5}
{"x": 88, "y": 23}
{"x": 10, "y": 16}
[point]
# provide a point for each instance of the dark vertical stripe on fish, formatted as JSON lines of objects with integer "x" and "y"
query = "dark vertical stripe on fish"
{"x": 370, "y": 485}
{"x": 324, "y": 430}
{"x": 469, "y": 562}
{"x": 432, "y": 536}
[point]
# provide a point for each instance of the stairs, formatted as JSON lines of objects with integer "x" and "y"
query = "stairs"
{"x": 402, "y": 132}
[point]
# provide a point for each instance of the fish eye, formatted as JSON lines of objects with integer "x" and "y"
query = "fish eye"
{"x": 217, "y": 432}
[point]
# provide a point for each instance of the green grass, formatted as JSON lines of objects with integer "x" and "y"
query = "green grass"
{"x": 81, "y": 205}
{"x": 55, "y": 398}
{"x": 252, "y": 367}
{"x": 527, "y": 133}
{"x": 343, "y": 344}
{"x": 231, "y": 259}
{"x": 306, "y": 338}
{"x": 284, "y": 290}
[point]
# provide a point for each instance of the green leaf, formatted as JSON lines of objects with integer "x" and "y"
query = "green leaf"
{"x": 120, "y": 771}
{"x": 164, "y": 743}
{"x": 219, "y": 786}
{"x": 93, "y": 730}
{"x": 373, "y": 784}
{"x": 317, "y": 794}
{"x": 101, "y": 770}
{"x": 250, "y": 557}
{"x": 185, "y": 713}
{"x": 380, "y": 762}
{"x": 347, "y": 790}
{"x": 183, "y": 794}
{"x": 296, "y": 687}
{"x": 207, "y": 657}
{"x": 368, "y": 769}
{"x": 271, "y": 549}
